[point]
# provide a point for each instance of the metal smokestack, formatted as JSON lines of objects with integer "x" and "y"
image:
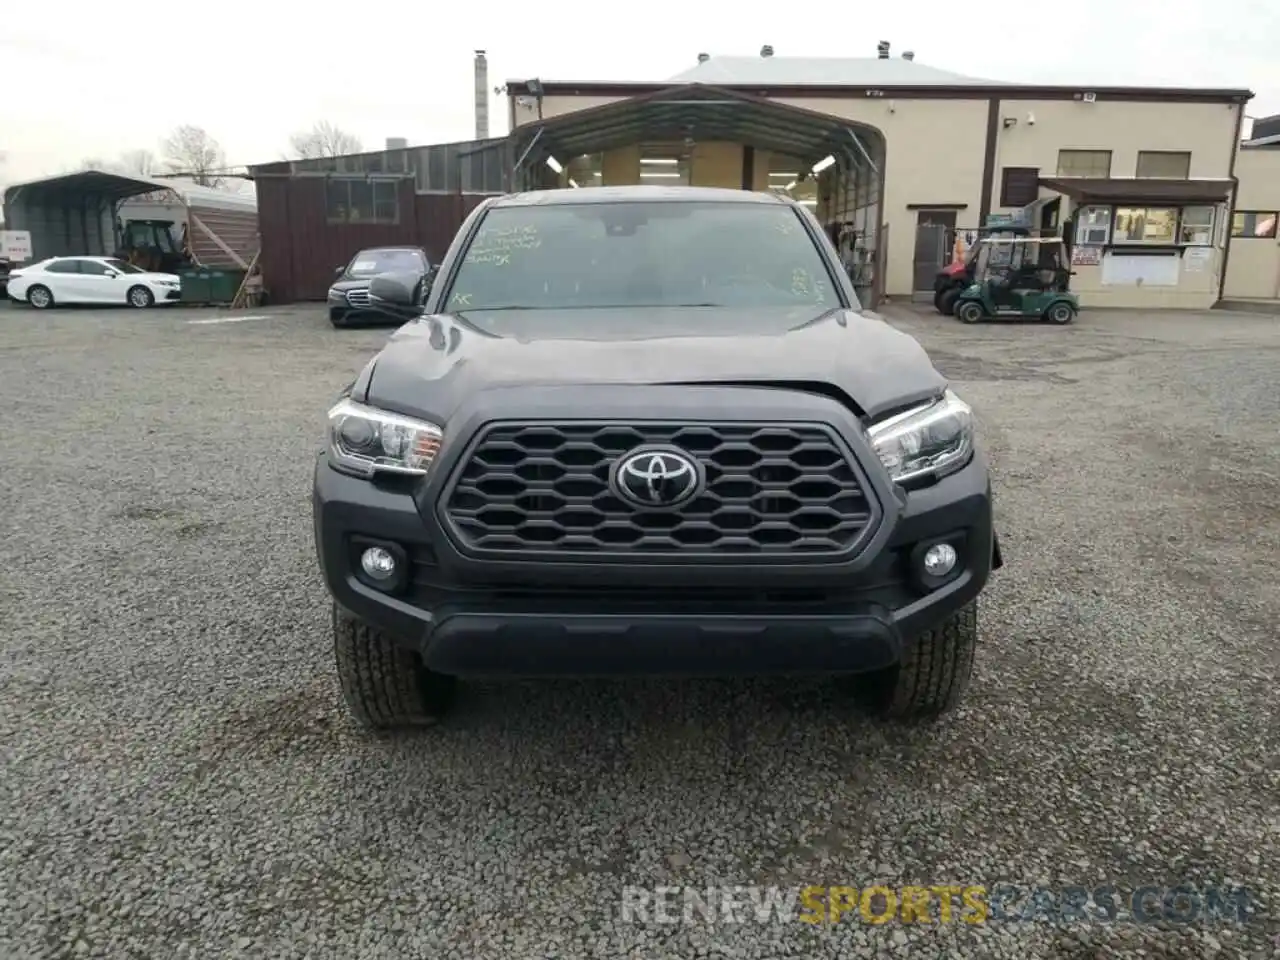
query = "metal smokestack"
{"x": 482, "y": 96}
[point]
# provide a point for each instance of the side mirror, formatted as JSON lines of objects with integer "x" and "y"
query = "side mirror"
{"x": 111, "y": 274}
{"x": 395, "y": 289}
{"x": 339, "y": 271}
{"x": 428, "y": 282}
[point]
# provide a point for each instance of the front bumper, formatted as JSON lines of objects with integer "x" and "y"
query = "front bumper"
{"x": 471, "y": 618}
{"x": 350, "y": 302}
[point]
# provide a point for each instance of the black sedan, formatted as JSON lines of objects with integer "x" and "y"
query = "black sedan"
{"x": 349, "y": 294}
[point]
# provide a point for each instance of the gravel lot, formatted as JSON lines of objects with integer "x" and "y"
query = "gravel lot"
{"x": 179, "y": 778}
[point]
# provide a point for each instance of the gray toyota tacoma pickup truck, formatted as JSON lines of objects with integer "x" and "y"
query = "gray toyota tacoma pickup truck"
{"x": 648, "y": 431}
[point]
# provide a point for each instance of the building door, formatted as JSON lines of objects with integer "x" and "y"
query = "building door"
{"x": 935, "y": 230}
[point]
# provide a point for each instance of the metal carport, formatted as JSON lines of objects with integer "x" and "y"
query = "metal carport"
{"x": 76, "y": 213}
{"x": 693, "y": 113}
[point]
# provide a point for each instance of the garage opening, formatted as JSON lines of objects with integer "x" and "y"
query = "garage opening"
{"x": 695, "y": 135}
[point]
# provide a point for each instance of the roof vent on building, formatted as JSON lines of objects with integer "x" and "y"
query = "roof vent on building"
{"x": 704, "y": 57}
{"x": 882, "y": 50}
{"x": 908, "y": 55}
{"x": 766, "y": 51}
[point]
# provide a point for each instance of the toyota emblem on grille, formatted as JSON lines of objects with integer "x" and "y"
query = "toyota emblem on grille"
{"x": 657, "y": 478}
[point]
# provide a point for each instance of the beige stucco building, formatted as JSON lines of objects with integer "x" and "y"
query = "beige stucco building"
{"x": 910, "y": 158}
{"x": 1253, "y": 265}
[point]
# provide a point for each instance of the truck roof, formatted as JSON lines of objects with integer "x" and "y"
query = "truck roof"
{"x": 637, "y": 194}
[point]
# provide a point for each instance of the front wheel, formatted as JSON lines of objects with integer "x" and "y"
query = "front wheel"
{"x": 40, "y": 297}
{"x": 970, "y": 312}
{"x": 385, "y": 685}
{"x": 1060, "y": 313}
{"x": 933, "y": 676}
{"x": 141, "y": 297}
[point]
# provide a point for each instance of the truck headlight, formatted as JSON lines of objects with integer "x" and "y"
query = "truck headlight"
{"x": 930, "y": 440}
{"x": 365, "y": 441}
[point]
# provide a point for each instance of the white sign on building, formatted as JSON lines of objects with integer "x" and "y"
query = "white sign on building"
{"x": 15, "y": 245}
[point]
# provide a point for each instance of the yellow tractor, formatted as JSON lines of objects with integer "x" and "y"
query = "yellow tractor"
{"x": 150, "y": 245}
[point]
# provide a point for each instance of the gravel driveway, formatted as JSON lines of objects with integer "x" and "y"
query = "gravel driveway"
{"x": 179, "y": 779}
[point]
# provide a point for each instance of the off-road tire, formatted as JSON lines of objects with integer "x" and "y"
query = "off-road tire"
{"x": 40, "y": 303}
{"x": 946, "y": 302}
{"x": 933, "y": 677}
{"x": 140, "y": 297}
{"x": 970, "y": 312}
{"x": 385, "y": 685}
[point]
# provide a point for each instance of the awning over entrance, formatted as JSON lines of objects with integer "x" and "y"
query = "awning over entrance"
{"x": 701, "y": 113}
{"x": 1090, "y": 190}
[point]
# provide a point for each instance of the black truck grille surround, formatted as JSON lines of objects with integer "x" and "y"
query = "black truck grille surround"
{"x": 535, "y": 489}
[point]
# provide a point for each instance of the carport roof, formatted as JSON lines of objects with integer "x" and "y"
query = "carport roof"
{"x": 118, "y": 186}
{"x": 697, "y": 111}
{"x": 1087, "y": 189}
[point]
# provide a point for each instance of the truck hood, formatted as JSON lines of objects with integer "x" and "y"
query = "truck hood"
{"x": 431, "y": 365}
{"x": 343, "y": 284}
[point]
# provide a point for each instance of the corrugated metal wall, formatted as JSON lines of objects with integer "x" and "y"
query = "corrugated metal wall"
{"x": 234, "y": 240}
{"x": 60, "y": 229}
{"x": 301, "y": 248}
{"x": 436, "y": 188}
{"x": 471, "y": 166}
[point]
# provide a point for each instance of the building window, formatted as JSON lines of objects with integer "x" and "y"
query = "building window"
{"x": 1019, "y": 186}
{"x": 1093, "y": 226}
{"x": 1260, "y": 226}
{"x": 1084, "y": 163}
{"x": 1196, "y": 228}
{"x": 1163, "y": 165}
{"x": 363, "y": 201}
{"x": 1146, "y": 225}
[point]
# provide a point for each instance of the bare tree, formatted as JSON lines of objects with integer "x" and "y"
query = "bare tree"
{"x": 190, "y": 151}
{"x": 142, "y": 162}
{"x": 323, "y": 140}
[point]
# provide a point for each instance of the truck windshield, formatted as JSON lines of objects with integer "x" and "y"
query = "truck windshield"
{"x": 641, "y": 254}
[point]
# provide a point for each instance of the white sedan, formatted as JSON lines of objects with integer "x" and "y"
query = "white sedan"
{"x": 101, "y": 280}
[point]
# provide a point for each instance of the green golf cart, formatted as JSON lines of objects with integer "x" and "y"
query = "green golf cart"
{"x": 1018, "y": 278}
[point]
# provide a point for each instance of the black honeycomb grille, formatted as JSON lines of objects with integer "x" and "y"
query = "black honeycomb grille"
{"x": 536, "y": 488}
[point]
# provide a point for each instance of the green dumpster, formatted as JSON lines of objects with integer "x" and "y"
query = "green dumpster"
{"x": 210, "y": 285}
{"x": 224, "y": 285}
{"x": 195, "y": 286}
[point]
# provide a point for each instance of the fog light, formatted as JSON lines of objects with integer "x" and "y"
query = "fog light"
{"x": 378, "y": 563}
{"x": 939, "y": 560}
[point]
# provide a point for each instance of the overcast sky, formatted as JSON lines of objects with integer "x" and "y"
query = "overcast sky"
{"x": 86, "y": 83}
